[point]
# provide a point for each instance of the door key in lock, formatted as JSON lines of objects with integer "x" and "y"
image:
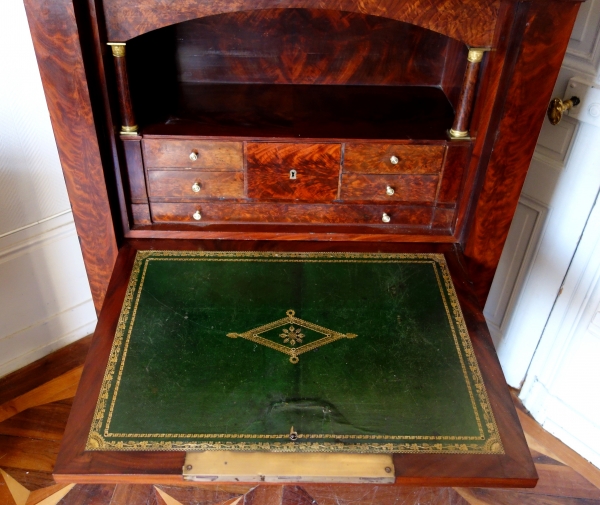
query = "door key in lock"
{"x": 293, "y": 174}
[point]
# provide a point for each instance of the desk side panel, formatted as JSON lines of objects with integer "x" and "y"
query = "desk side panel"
{"x": 57, "y": 47}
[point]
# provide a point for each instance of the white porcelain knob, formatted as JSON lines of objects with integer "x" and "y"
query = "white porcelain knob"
{"x": 197, "y": 215}
{"x": 196, "y": 187}
{"x": 394, "y": 160}
{"x": 385, "y": 218}
{"x": 193, "y": 156}
{"x": 389, "y": 191}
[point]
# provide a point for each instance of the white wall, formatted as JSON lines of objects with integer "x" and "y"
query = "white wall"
{"x": 45, "y": 300}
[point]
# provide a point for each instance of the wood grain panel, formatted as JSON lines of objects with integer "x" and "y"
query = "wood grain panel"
{"x": 217, "y": 156}
{"x": 317, "y": 169}
{"x": 299, "y": 156}
{"x": 291, "y": 213}
{"x": 457, "y": 159}
{"x": 470, "y": 21}
{"x": 178, "y": 184}
{"x": 454, "y": 70}
{"x": 141, "y": 213}
{"x": 135, "y": 171}
{"x": 304, "y": 46}
{"x": 443, "y": 219}
{"x": 546, "y": 36}
{"x": 376, "y": 158}
{"x": 407, "y": 188}
{"x": 65, "y": 86}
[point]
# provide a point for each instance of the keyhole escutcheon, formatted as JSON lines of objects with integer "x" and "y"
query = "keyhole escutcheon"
{"x": 293, "y": 174}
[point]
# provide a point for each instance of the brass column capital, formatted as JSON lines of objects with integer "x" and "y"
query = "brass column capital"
{"x": 118, "y": 49}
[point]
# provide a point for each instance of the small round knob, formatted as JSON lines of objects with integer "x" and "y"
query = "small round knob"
{"x": 394, "y": 160}
{"x": 385, "y": 218}
{"x": 389, "y": 191}
{"x": 196, "y": 187}
{"x": 193, "y": 156}
{"x": 197, "y": 215}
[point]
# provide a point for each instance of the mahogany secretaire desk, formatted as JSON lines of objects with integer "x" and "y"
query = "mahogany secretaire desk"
{"x": 298, "y": 126}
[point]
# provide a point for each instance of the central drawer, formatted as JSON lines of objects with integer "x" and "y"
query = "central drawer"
{"x": 286, "y": 171}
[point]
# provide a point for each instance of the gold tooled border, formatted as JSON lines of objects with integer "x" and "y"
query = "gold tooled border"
{"x": 96, "y": 441}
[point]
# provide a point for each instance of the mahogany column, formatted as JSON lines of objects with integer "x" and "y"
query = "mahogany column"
{"x": 460, "y": 128}
{"x": 128, "y": 122}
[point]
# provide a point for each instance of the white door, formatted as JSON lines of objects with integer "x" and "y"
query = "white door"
{"x": 556, "y": 201}
{"x": 562, "y": 388}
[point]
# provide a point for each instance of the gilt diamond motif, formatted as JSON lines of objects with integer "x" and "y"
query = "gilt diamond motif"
{"x": 293, "y": 333}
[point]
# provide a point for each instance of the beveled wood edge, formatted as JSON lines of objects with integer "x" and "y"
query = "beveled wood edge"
{"x": 286, "y": 236}
{"x": 513, "y": 469}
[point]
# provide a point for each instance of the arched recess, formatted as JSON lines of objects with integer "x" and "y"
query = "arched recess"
{"x": 468, "y": 21}
{"x": 179, "y": 72}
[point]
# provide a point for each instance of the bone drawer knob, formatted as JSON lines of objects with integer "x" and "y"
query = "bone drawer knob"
{"x": 197, "y": 215}
{"x": 196, "y": 187}
{"x": 394, "y": 160}
{"x": 385, "y": 218}
{"x": 389, "y": 191}
{"x": 193, "y": 156}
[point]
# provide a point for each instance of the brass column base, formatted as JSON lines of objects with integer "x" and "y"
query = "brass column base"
{"x": 458, "y": 135}
{"x": 129, "y": 130}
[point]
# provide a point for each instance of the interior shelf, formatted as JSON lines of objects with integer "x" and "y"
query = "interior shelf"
{"x": 308, "y": 111}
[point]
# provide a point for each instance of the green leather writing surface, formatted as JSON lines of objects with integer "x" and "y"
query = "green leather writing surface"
{"x": 292, "y": 352}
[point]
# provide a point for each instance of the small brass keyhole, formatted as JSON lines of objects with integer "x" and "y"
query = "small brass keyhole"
{"x": 293, "y": 174}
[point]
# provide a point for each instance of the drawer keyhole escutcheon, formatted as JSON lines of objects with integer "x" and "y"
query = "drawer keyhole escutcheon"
{"x": 196, "y": 187}
{"x": 293, "y": 174}
{"x": 389, "y": 191}
{"x": 394, "y": 160}
{"x": 386, "y": 218}
{"x": 197, "y": 216}
{"x": 193, "y": 156}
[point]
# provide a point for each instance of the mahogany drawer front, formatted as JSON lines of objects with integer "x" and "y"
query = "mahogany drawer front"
{"x": 289, "y": 155}
{"x": 316, "y": 171}
{"x": 209, "y": 155}
{"x": 403, "y": 188}
{"x": 212, "y": 212}
{"x": 393, "y": 159}
{"x": 195, "y": 184}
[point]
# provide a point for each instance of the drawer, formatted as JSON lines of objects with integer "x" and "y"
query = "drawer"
{"x": 195, "y": 184}
{"x": 393, "y": 159}
{"x": 291, "y": 213}
{"x": 403, "y": 188}
{"x": 202, "y": 155}
{"x": 316, "y": 171}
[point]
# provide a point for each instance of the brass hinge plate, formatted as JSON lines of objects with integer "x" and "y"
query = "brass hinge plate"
{"x": 230, "y": 466}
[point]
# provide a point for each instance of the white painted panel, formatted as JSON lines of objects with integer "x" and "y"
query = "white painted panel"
{"x": 31, "y": 180}
{"x": 554, "y": 141}
{"x": 578, "y": 379}
{"x": 511, "y": 263}
{"x": 45, "y": 300}
{"x": 582, "y": 26}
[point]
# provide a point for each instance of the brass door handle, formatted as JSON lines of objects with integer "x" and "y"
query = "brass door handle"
{"x": 557, "y": 107}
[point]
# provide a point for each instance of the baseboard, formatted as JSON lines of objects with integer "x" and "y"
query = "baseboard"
{"x": 42, "y": 332}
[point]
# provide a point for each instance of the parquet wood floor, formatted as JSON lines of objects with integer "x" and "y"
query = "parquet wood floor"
{"x": 35, "y": 403}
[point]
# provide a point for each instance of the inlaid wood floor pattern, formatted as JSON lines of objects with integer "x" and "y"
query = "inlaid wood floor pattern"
{"x": 35, "y": 403}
